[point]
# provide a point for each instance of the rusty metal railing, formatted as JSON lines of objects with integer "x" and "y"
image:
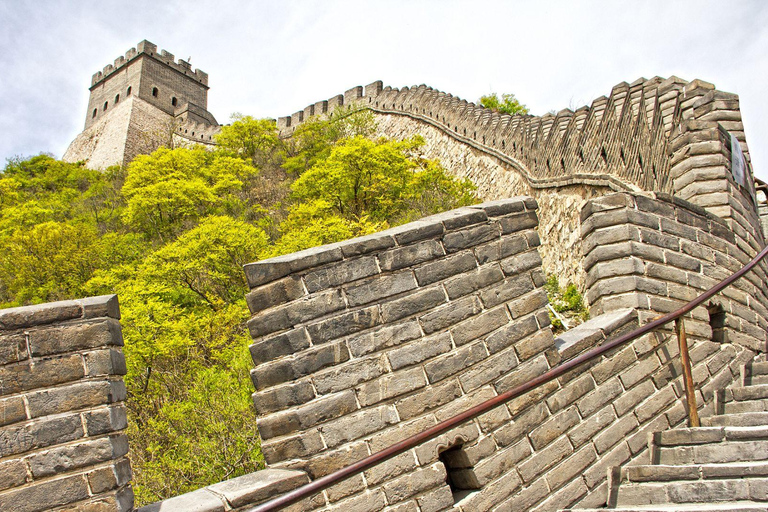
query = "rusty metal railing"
{"x": 326, "y": 481}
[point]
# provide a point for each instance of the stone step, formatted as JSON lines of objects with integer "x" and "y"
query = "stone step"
{"x": 757, "y": 392}
{"x": 702, "y": 490}
{"x": 709, "y": 445}
{"x": 755, "y": 373}
{"x": 745, "y": 419}
{"x": 738, "y": 407}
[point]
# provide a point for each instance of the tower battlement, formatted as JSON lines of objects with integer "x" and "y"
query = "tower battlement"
{"x": 149, "y": 49}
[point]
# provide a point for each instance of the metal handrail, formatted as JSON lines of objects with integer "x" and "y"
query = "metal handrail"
{"x": 311, "y": 488}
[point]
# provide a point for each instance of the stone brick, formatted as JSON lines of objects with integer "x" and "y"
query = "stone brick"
{"x": 553, "y": 427}
{"x": 409, "y": 255}
{"x": 44, "y": 373}
{"x": 655, "y": 404}
{"x": 45, "y": 495}
{"x": 438, "y": 499}
{"x": 340, "y": 273}
{"x": 499, "y": 249}
{"x": 419, "y": 350}
{"x": 344, "y": 324}
{"x": 105, "y": 420}
{"x": 455, "y": 362}
{"x": 74, "y": 396}
{"x": 40, "y": 434}
{"x": 428, "y": 398}
{"x": 639, "y": 371}
{"x": 379, "y": 287}
{"x": 615, "y": 433}
{"x": 522, "y": 424}
{"x": 265, "y": 271}
{"x": 487, "y": 370}
{"x": 415, "y": 231}
{"x": 358, "y": 424}
{"x": 280, "y": 397}
{"x": 524, "y": 373}
{"x": 450, "y": 314}
{"x": 369, "y": 501}
{"x": 305, "y": 363}
{"x": 528, "y": 497}
{"x": 571, "y": 467}
{"x": 414, "y": 483}
{"x": 56, "y": 339}
{"x": 308, "y": 415}
{"x": 530, "y": 346}
{"x": 507, "y": 290}
{"x": 391, "y": 385}
{"x": 305, "y": 444}
{"x": 629, "y": 399}
{"x": 519, "y": 222}
{"x": 521, "y": 262}
{"x": 109, "y": 361}
{"x": 366, "y": 244}
{"x": 545, "y": 459}
{"x": 477, "y": 326}
{"x": 474, "y": 280}
{"x": 272, "y": 348}
{"x": 528, "y": 303}
{"x": 588, "y": 427}
{"x": 68, "y": 457}
{"x": 391, "y": 468}
{"x": 296, "y": 312}
{"x": 38, "y": 314}
{"x": 13, "y": 473}
{"x": 511, "y": 333}
{"x": 613, "y": 364}
{"x": 462, "y": 239}
{"x": 446, "y": 267}
{"x": 413, "y": 303}
{"x": 12, "y": 410}
{"x": 571, "y": 392}
{"x": 384, "y": 337}
{"x": 503, "y": 461}
{"x": 597, "y": 473}
{"x": 275, "y": 293}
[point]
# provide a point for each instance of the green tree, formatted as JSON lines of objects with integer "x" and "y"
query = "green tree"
{"x": 254, "y": 140}
{"x": 168, "y": 191}
{"x": 381, "y": 180}
{"x": 508, "y": 104}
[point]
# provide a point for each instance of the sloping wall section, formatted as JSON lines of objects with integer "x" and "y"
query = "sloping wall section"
{"x": 657, "y": 135}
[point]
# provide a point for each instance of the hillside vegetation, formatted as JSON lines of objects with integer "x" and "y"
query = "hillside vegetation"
{"x": 169, "y": 234}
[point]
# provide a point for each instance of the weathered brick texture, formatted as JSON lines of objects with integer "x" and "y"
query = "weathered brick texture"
{"x": 61, "y": 407}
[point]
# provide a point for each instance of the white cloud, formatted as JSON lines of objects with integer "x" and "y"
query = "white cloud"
{"x": 272, "y": 58}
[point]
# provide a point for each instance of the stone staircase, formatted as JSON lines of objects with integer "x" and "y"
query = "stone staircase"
{"x": 722, "y": 465}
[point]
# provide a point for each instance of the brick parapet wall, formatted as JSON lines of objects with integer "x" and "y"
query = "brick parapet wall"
{"x": 61, "y": 408}
{"x": 656, "y": 253}
{"x": 361, "y": 343}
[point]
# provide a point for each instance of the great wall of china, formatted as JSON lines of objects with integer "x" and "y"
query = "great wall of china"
{"x": 645, "y": 199}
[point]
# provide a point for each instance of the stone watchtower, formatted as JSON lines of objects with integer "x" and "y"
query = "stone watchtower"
{"x": 145, "y": 100}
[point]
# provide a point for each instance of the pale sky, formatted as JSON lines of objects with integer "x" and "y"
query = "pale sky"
{"x": 270, "y": 59}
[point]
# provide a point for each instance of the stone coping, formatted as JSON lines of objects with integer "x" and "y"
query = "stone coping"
{"x": 40, "y": 314}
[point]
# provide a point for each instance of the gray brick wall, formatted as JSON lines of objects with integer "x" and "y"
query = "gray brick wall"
{"x": 61, "y": 407}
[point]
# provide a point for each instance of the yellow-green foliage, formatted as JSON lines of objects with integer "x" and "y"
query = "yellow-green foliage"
{"x": 169, "y": 234}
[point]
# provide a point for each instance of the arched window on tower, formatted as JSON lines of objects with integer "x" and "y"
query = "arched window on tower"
{"x": 106, "y": 104}
{"x": 128, "y": 92}
{"x": 173, "y": 101}
{"x": 154, "y": 92}
{"x": 117, "y": 99}
{"x": 94, "y": 112}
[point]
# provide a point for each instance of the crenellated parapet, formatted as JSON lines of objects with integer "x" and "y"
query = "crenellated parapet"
{"x": 150, "y": 49}
{"x": 625, "y": 140}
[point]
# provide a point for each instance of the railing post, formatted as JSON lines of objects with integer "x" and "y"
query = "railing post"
{"x": 685, "y": 359}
